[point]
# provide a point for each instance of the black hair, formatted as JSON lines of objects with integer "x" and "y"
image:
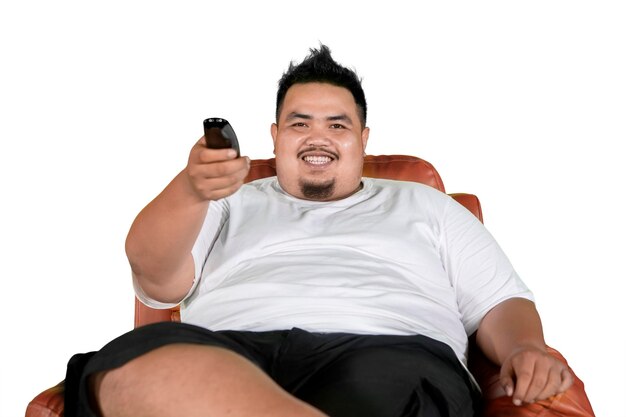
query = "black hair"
{"x": 320, "y": 66}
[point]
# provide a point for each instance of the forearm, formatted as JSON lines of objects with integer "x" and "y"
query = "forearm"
{"x": 160, "y": 240}
{"x": 511, "y": 335}
{"x": 511, "y": 325}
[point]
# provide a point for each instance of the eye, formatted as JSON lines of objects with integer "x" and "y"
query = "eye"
{"x": 299, "y": 124}
{"x": 337, "y": 126}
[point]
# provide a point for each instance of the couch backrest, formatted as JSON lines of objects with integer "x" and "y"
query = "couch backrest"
{"x": 392, "y": 167}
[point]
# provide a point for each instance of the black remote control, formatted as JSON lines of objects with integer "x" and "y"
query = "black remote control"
{"x": 219, "y": 134}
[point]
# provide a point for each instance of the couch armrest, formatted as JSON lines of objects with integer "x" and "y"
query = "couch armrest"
{"x": 49, "y": 403}
{"x": 572, "y": 403}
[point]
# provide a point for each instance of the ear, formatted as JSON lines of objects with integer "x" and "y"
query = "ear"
{"x": 365, "y": 135}
{"x": 274, "y": 133}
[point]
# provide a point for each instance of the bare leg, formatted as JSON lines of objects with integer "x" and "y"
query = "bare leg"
{"x": 193, "y": 380}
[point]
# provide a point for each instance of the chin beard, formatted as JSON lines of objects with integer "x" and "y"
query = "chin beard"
{"x": 317, "y": 191}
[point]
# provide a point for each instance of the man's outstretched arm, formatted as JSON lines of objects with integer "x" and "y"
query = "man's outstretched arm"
{"x": 511, "y": 335}
{"x": 160, "y": 240}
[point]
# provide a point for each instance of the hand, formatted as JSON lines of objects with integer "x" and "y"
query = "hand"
{"x": 215, "y": 173}
{"x": 531, "y": 374}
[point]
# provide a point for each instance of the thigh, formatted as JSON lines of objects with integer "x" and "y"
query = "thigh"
{"x": 391, "y": 381}
{"x": 193, "y": 381}
{"x": 141, "y": 341}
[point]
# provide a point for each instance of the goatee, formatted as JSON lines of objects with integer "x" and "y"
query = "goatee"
{"x": 317, "y": 191}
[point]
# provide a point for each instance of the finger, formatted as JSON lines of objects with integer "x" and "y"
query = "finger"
{"x": 236, "y": 168}
{"x": 207, "y": 155}
{"x": 567, "y": 379}
{"x": 203, "y": 143}
{"x": 223, "y": 192}
{"x": 218, "y": 180}
{"x": 216, "y": 188}
{"x": 219, "y": 183}
{"x": 207, "y": 184}
{"x": 506, "y": 379}
{"x": 538, "y": 382}
{"x": 523, "y": 379}
{"x": 552, "y": 384}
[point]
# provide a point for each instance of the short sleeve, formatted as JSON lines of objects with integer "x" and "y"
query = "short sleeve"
{"x": 479, "y": 270}
{"x": 213, "y": 222}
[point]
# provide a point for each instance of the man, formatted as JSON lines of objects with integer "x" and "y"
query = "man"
{"x": 317, "y": 292}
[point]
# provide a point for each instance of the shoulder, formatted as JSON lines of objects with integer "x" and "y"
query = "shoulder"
{"x": 253, "y": 191}
{"x": 262, "y": 186}
{"x": 410, "y": 198}
{"x": 406, "y": 189}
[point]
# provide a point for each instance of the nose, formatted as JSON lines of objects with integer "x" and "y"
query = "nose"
{"x": 317, "y": 137}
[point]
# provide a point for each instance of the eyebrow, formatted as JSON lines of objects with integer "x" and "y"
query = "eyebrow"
{"x": 339, "y": 117}
{"x": 294, "y": 115}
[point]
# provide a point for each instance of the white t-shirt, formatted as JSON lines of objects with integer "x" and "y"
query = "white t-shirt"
{"x": 397, "y": 258}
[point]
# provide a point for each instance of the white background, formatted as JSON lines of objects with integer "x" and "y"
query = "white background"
{"x": 521, "y": 103}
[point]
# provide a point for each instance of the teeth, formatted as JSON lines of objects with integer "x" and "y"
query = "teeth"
{"x": 317, "y": 159}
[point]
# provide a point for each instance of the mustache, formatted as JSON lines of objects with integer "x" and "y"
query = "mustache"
{"x": 319, "y": 150}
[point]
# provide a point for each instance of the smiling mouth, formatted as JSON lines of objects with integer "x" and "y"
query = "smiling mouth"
{"x": 317, "y": 157}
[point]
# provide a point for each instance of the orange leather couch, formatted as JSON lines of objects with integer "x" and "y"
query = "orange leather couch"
{"x": 572, "y": 403}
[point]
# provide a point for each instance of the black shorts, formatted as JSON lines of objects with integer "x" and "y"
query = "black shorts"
{"x": 340, "y": 374}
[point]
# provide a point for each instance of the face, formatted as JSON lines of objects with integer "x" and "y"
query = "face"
{"x": 319, "y": 142}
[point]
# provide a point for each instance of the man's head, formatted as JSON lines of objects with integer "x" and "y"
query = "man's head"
{"x": 320, "y": 134}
